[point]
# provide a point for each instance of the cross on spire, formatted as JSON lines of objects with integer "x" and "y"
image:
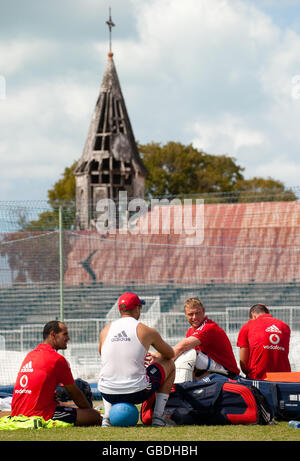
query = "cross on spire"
{"x": 110, "y": 26}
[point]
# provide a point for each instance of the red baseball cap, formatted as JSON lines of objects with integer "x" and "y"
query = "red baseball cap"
{"x": 129, "y": 301}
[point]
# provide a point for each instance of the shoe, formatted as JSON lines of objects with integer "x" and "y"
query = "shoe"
{"x": 106, "y": 422}
{"x": 161, "y": 421}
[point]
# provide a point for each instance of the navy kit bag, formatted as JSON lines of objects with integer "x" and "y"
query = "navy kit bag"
{"x": 213, "y": 400}
{"x": 283, "y": 397}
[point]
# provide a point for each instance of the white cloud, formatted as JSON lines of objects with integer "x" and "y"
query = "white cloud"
{"x": 41, "y": 128}
{"x": 226, "y": 134}
{"x": 217, "y": 73}
{"x": 285, "y": 169}
{"x": 15, "y": 54}
{"x": 229, "y": 68}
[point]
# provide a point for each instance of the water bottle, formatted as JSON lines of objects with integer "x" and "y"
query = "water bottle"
{"x": 294, "y": 424}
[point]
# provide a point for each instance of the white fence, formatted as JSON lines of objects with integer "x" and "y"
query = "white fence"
{"x": 82, "y": 351}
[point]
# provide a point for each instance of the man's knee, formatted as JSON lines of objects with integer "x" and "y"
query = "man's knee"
{"x": 169, "y": 366}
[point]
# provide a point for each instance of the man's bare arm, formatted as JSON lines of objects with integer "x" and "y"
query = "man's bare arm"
{"x": 102, "y": 336}
{"x": 185, "y": 345}
{"x": 165, "y": 350}
{"x": 77, "y": 396}
{"x": 150, "y": 337}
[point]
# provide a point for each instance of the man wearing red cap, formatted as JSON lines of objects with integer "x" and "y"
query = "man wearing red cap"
{"x": 124, "y": 345}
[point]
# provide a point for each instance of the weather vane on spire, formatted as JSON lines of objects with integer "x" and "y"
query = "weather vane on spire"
{"x": 110, "y": 25}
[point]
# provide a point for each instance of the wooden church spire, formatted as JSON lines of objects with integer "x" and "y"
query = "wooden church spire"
{"x": 110, "y": 161}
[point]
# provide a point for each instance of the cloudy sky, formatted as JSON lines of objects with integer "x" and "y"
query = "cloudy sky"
{"x": 221, "y": 74}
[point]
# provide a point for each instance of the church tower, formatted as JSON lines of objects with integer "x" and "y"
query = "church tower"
{"x": 110, "y": 161}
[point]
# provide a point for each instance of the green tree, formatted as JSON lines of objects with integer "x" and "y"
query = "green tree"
{"x": 176, "y": 169}
{"x": 62, "y": 194}
{"x": 263, "y": 190}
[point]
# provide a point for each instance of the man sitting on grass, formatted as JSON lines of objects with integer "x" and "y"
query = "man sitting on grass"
{"x": 42, "y": 370}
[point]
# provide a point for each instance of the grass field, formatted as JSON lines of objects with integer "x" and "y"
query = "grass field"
{"x": 141, "y": 441}
{"x": 138, "y": 443}
{"x": 279, "y": 432}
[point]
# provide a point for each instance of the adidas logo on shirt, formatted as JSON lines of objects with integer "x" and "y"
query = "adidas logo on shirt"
{"x": 273, "y": 329}
{"x": 27, "y": 368}
{"x": 121, "y": 337}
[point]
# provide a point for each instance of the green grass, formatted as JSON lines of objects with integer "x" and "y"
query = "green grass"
{"x": 278, "y": 432}
{"x": 275, "y": 432}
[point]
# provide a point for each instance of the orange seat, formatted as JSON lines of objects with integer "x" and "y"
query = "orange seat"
{"x": 288, "y": 377}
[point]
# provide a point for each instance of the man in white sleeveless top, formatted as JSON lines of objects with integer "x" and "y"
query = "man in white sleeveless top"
{"x": 124, "y": 375}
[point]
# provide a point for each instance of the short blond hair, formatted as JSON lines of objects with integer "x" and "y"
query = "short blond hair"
{"x": 193, "y": 302}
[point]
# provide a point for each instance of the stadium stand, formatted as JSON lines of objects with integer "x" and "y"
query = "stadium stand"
{"x": 40, "y": 303}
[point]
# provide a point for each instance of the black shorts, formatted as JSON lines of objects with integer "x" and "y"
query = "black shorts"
{"x": 156, "y": 375}
{"x": 65, "y": 414}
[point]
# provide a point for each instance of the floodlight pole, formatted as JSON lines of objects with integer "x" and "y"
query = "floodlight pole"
{"x": 61, "y": 266}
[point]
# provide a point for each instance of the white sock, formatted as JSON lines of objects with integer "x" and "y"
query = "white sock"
{"x": 160, "y": 403}
{"x": 107, "y": 408}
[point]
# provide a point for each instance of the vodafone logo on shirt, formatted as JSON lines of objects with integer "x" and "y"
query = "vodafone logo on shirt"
{"x": 23, "y": 383}
{"x": 274, "y": 337}
{"x": 27, "y": 368}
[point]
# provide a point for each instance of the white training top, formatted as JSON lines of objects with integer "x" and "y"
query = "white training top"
{"x": 123, "y": 359}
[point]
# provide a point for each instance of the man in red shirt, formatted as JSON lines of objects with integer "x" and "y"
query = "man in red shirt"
{"x": 214, "y": 351}
{"x": 42, "y": 370}
{"x": 264, "y": 344}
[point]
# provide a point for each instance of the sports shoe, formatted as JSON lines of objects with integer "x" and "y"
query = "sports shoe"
{"x": 106, "y": 422}
{"x": 161, "y": 421}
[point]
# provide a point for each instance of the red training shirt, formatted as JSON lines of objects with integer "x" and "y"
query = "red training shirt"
{"x": 40, "y": 373}
{"x": 268, "y": 341}
{"x": 215, "y": 343}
